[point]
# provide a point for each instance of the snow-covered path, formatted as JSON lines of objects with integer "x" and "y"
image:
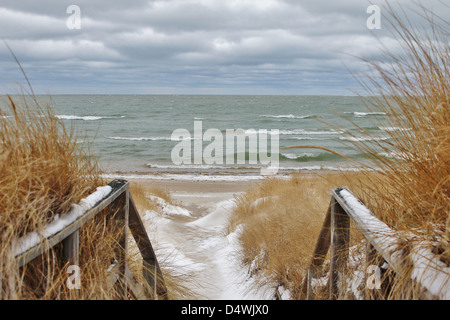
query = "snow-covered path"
{"x": 195, "y": 243}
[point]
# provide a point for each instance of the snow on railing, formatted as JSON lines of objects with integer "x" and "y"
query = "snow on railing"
{"x": 33, "y": 239}
{"x": 428, "y": 272}
{"x": 65, "y": 230}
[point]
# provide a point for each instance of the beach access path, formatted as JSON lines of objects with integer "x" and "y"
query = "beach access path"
{"x": 192, "y": 239}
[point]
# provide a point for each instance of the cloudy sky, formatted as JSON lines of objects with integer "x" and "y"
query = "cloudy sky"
{"x": 191, "y": 46}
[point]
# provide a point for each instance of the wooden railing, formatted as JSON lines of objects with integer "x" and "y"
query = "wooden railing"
{"x": 382, "y": 243}
{"x": 127, "y": 218}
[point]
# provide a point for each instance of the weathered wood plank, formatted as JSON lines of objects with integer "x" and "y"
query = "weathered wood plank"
{"x": 151, "y": 270}
{"x": 340, "y": 239}
{"x": 383, "y": 239}
{"x": 120, "y": 219}
{"x": 118, "y": 187}
{"x": 71, "y": 247}
{"x": 133, "y": 287}
{"x": 383, "y": 243}
{"x": 376, "y": 232}
{"x": 125, "y": 217}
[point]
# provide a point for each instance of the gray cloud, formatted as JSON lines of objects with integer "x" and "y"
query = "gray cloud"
{"x": 191, "y": 46}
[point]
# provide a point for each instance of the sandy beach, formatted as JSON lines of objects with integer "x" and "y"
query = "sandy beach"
{"x": 181, "y": 186}
{"x": 198, "y": 195}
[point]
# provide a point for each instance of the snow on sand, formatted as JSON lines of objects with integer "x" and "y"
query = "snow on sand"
{"x": 195, "y": 242}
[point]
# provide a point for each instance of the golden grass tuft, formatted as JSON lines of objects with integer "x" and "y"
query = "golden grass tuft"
{"x": 413, "y": 89}
{"x": 42, "y": 167}
{"x": 43, "y": 171}
{"x": 280, "y": 220}
{"x": 410, "y": 189}
{"x": 412, "y": 192}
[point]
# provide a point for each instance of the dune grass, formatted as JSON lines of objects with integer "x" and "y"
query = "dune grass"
{"x": 413, "y": 89}
{"x": 43, "y": 171}
{"x": 409, "y": 189}
{"x": 279, "y": 221}
{"x": 413, "y": 187}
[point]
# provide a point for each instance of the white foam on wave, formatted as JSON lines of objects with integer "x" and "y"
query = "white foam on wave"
{"x": 148, "y": 138}
{"x": 395, "y": 155}
{"x": 361, "y": 114}
{"x": 357, "y": 139}
{"x": 298, "y": 132}
{"x": 198, "y": 166}
{"x": 364, "y": 114}
{"x": 287, "y": 116}
{"x": 311, "y": 132}
{"x": 294, "y": 156}
{"x": 86, "y": 118}
{"x": 140, "y": 138}
{"x": 230, "y": 178}
{"x": 391, "y": 129}
{"x": 184, "y": 177}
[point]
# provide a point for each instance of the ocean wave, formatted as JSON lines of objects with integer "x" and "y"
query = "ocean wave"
{"x": 391, "y": 129}
{"x": 148, "y": 138}
{"x": 187, "y": 177}
{"x": 140, "y": 138}
{"x": 360, "y": 114}
{"x": 309, "y": 156}
{"x": 311, "y": 132}
{"x": 394, "y": 155}
{"x": 293, "y": 156}
{"x": 327, "y": 168}
{"x": 296, "y": 132}
{"x": 362, "y": 139}
{"x": 201, "y": 166}
{"x": 232, "y": 177}
{"x": 86, "y": 118}
{"x": 319, "y": 157}
{"x": 288, "y": 116}
{"x": 193, "y": 166}
{"x": 304, "y": 138}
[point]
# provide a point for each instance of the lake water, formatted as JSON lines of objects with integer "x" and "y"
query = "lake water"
{"x": 133, "y": 133}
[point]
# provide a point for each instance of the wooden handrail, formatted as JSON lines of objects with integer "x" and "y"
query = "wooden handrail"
{"x": 126, "y": 216}
{"x": 117, "y": 188}
{"x": 334, "y": 237}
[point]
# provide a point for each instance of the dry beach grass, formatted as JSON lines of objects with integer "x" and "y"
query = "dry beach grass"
{"x": 410, "y": 188}
{"x": 44, "y": 170}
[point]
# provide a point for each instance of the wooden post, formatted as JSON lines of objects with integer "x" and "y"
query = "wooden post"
{"x": 340, "y": 238}
{"x": 121, "y": 221}
{"x": 151, "y": 270}
{"x": 71, "y": 246}
{"x": 71, "y": 249}
{"x": 380, "y": 289}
